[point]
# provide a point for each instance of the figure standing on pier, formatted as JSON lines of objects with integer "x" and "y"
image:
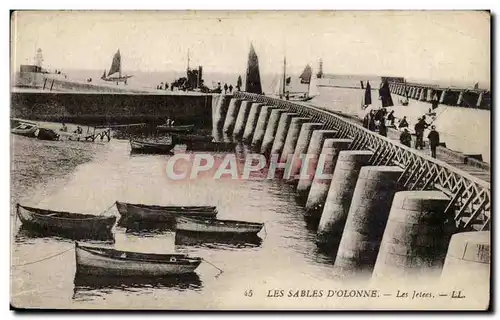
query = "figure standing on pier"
{"x": 225, "y": 88}
{"x": 433, "y": 140}
{"x": 230, "y": 88}
{"x": 405, "y": 138}
{"x": 420, "y": 126}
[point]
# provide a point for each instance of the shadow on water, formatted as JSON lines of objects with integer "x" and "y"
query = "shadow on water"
{"x": 217, "y": 241}
{"x": 26, "y": 233}
{"x": 89, "y": 287}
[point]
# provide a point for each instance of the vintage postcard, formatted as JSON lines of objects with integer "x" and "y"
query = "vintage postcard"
{"x": 250, "y": 160}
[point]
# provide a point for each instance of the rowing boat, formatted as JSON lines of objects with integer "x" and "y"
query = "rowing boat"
{"x": 211, "y": 146}
{"x": 68, "y": 224}
{"x": 226, "y": 227}
{"x": 143, "y": 213}
{"x": 25, "y": 129}
{"x": 107, "y": 261}
{"x": 183, "y": 128}
{"x": 151, "y": 147}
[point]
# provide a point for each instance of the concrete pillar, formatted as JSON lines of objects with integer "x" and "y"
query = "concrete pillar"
{"x": 479, "y": 100}
{"x": 443, "y": 95}
{"x": 301, "y": 147}
{"x": 467, "y": 262}
{"x": 318, "y": 137}
{"x": 400, "y": 89}
{"x": 219, "y": 114}
{"x": 272, "y": 126}
{"x": 422, "y": 95}
{"x": 241, "y": 119}
{"x": 416, "y": 93}
{"x": 319, "y": 187}
{"x": 232, "y": 113}
{"x": 339, "y": 197}
{"x": 460, "y": 98}
{"x": 281, "y": 132}
{"x": 260, "y": 128}
{"x": 367, "y": 218}
{"x": 430, "y": 93}
{"x": 292, "y": 136}
{"x": 416, "y": 236}
{"x": 410, "y": 92}
{"x": 253, "y": 116}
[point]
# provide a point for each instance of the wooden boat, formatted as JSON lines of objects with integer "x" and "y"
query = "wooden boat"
{"x": 106, "y": 261}
{"x": 183, "y": 128}
{"x": 226, "y": 227}
{"x": 211, "y": 146}
{"x": 151, "y": 147}
{"x": 26, "y": 129}
{"x": 142, "y": 213}
{"x": 183, "y": 138}
{"x": 73, "y": 225}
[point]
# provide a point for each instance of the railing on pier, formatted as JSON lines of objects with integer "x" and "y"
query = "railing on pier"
{"x": 470, "y": 196}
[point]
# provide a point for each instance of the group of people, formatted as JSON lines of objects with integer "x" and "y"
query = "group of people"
{"x": 379, "y": 120}
{"x": 162, "y": 86}
{"x": 64, "y": 128}
{"x": 169, "y": 122}
{"x": 420, "y": 126}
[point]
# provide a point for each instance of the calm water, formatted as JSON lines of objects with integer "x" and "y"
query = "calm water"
{"x": 287, "y": 254}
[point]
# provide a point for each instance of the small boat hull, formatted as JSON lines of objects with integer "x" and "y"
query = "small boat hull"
{"x": 24, "y": 129}
{"x": 185, "y": 128}
{"x": 66, "y": 224}
{"x": 220, "y": 227}
{"x": 151, "y": 147}
{"x": 148, "y": 216}
{"x": 103, "y": 262}
{"x": 211, "y": 146}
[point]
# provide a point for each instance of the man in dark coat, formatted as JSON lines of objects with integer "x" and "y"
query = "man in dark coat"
{"x": 403, "y": 123}
{"x": 433, "y": 140}
{"x": 405, "y": 138}
{"x": 420, "y": 126}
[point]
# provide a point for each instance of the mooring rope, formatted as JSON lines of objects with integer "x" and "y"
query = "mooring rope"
{"x": 213, "y": 265}
{"x": 100, "y": 214}
{"x": 43, "y": 259}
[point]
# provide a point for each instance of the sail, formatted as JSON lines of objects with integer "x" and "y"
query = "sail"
{"x": 116, "y": 65}
{"x": 305, "y": 77}
{"x": 278, "y": 89}
{"x": 368, "y": 94}
{"x": 313, "y": 87}
{"x": 253, "y": 84}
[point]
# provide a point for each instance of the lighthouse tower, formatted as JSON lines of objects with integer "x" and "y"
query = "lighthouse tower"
{"x": 38, "y": 59}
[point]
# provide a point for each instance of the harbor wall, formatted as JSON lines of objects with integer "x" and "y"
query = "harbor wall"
{"x": 112, "y": 108}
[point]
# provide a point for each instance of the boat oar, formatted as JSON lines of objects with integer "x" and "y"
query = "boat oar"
{"x": 213, "y": 265}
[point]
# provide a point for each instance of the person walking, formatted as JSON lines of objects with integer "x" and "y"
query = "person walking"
{"x": 225, "y": 88}
{"x": 405, "y": 138}
{"x": 433, "y": 140}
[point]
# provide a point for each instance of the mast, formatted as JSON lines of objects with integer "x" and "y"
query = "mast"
{"x": 284, "y": 76}
{"x": 188, "y": 61}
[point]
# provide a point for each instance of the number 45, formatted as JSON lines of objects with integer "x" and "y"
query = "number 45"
{"x": 248, "y": 293}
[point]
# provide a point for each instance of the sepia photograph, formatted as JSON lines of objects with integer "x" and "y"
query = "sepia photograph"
{"x": 250, "y": 160}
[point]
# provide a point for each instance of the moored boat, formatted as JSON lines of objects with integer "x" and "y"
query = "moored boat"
{"x": 26, "y": 129}
{"x": 225, "y": 227}
{"x": 211, "y": 146}
{"x": 151, "y": 147}
{"x": 182, "y": 128}
{"x": 68, "y": 224}
{"x": 147, "y": 214}
{"x": 107, "y": 261}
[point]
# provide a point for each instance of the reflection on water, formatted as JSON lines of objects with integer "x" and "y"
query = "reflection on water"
{"x": 217, "y": 241}
{"x": 283, "y": 251}
{"x": 88, "y": 287}
{"x": 26, "y": 232}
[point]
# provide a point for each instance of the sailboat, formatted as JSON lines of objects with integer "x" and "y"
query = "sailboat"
{"x": 306, "y": 77}
{"x": 115, "y": 72}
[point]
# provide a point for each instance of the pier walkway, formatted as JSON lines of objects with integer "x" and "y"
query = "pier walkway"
{"x": 466, "y": 183}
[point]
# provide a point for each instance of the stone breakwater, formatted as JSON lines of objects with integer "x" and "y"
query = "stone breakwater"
{"x": 96, "y": 108}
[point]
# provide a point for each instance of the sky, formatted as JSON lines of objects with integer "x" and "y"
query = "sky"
{"x": 436, "y": 45}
